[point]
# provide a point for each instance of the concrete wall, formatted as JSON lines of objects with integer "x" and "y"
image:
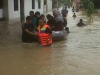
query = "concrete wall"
{"x": 13, "y": 14}
{"x": 28, "y": 7}
{"x": 49, "y": 3}
{"x": 1, "y": 13}
{"x": 9, "y": 13}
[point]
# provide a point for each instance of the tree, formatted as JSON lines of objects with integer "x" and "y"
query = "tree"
{"x": 88, "y": 6}
{"x": 96, "y": 4}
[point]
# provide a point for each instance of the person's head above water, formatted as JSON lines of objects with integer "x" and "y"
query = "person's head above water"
{"x": 41, "y": 22}
{"x": 81, "y": 20}
{"x": 37, "y": 14}
{"x": 31, "y": 13}
{"x": 74, "y": 14}
{"x": 28, "y": 20}
{"x": 49, "y": 17}
{"x": 42, "y": 16}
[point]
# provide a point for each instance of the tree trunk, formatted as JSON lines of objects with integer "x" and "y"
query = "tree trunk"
{"x": 22, "y": 15}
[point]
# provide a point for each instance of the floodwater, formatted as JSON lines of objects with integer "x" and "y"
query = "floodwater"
{"x": 79, "y": 54}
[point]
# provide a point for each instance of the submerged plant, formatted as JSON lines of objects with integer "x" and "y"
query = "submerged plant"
{"x": 90, "y": 8}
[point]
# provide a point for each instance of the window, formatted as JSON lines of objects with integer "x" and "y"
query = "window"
{"x": 45, "y": 2}
{"x": 15, "y": 5}
{"x": 39, "y": 4}
{"x": 33, "y": 4}
{"x": 1, "y": 4}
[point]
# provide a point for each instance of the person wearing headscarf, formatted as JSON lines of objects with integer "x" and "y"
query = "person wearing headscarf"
{"x": 59, "y": 20}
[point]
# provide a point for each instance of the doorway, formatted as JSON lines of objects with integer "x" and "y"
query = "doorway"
{"x": 44, "y": 6}
{"x": 22, "y": 15}
{"x": 1, "y": 9}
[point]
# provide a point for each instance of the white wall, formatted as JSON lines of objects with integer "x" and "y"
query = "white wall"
{"x": 1, "y": 13}
{"x": 28, "y": 7}
{"x": 10, "y": 14}
{"x": 49, "y": 3}
{"x": 13, "y": 14}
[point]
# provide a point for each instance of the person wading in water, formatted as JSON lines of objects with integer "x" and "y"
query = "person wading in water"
{"x": 44, "y": 33}
{"x": 80, "y": 24}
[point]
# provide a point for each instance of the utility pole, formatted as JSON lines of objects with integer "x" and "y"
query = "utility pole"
{"x": 46, "y": 6}
{"x": 22, "y": 15}
{"x": 57, "y": 3}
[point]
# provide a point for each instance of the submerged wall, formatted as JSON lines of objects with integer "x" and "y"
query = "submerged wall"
{"x": 1, "y": 13}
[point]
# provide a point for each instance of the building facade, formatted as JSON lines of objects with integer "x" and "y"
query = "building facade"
{"x": 10, "y": 9}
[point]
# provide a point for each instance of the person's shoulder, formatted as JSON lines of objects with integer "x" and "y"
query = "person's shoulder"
{"x": 59, "y": 22}
{"x": 48, "y": 29}
{"x": 78, "y": 23}
{"x": 52, "y": 19}
{"x": 82, "y": 23}
{"x": 24, "y": 24}
{"x": 34, "y": 17}
{"x": 31, "y": 24}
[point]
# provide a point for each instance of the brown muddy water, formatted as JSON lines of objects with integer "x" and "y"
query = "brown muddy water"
{"x": 79, "y": 54}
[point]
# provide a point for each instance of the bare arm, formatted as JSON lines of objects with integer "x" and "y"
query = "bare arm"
{"x": 27, "y": 31}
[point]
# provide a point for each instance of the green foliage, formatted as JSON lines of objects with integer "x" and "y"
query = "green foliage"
{"x": 90, "y": 8}
{"x": 96, "y": 3}
{"x": 88, "y": 5}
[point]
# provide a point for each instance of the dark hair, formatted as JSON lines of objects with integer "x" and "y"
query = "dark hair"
{"x": 37, "y": 13}
{"x": 42, "y": 20}
{"x": 28, "y": 18}
{"x": 49, "y": 16}
{"x": 81, "y": 20}
{"x": 42, "y": 16}
{"x": 31, "y": 12}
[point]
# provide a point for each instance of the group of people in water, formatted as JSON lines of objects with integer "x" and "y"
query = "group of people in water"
{"x": 80, "y": 24}
{"x": 37, "y": 25}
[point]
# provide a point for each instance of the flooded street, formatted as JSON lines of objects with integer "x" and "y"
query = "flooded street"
{"x": 78, "y": 55}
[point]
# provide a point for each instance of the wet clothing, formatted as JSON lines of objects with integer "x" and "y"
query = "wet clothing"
{"x": 80, "y": 24}
{"x": 47, "y": 30}
{"x": 59, "y": 21}
{"x": 25, "y": 36}
{"x": 51, "y": 23}
{"x": 74, "y": 15}
{"x": 73, "y": 10}
{"x": 44, "y": 37}
{"x": 65, "y": 22}
{"x": 67, "y": 29}
{"x": 35, "y": 21}
{"x": 58, "y": 26}
{"x": 58, "y": 16}
{"x": 64, "y": 12}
